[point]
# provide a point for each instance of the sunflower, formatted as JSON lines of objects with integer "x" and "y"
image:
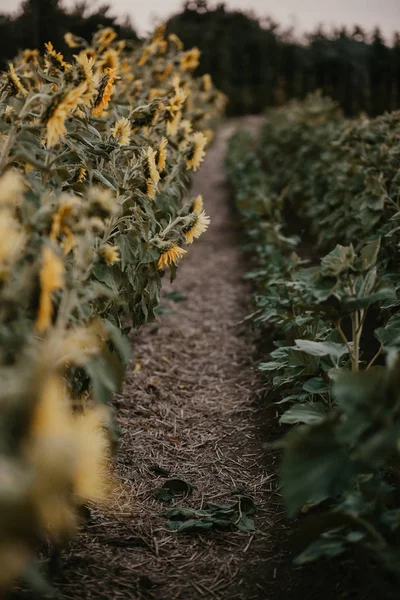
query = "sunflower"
{"x": 104, "y": 38}
{"x": 80, "y": 175}
{"x": 171, "y": 256}
{"x": 54, "y": 59}
{"x": 174, "y": 39}
{"x": 101, "y": 202}
{"x": 198, "y": 205}
{"x": 72, "y": 40}
{"x": 184, "y": 130}
{"x": 161, "y": 154}
{"x": 190, "y": 60}
{"x": 11, "y": 189}
{"x": 122, "y": 131}
{"x": 85, "y": 74}
{"x": 172, "y": 125}
{"x": 109, "y": 60}
{"x": 61, "y": 221}
{"x": 104, "y": 92}
{"x": 92, "y": 479}
{"x": 15, "y": 82}
{"x": 207, "y": 82}
{"x": 59, "y": 110}
{"x": 12, "y": 239}
{"x": 30, "y": 56}
{"x": 155, "y": 93}
{"x": 151, "y": 189}
{"x": 177, "y": 101}
{"x": 198, "y": 226}
{"x": 195, "y": 152}
{"x": 51, "y": 279}
{"x": 162, "y": 73}
{"x": 109, "y": 253}
{"x": 150, "y": 168}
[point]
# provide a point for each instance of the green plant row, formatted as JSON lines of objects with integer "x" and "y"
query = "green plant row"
{"x": 319, "y": 199}
{"x": 95, "y": 163}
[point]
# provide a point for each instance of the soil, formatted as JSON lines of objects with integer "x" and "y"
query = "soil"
{"x": 194, "y": 407}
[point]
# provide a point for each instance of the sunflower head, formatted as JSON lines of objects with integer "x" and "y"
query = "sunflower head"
{"x": 171, "y": 255}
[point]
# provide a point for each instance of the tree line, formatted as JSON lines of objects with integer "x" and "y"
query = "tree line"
{"x": 256, "y": 62}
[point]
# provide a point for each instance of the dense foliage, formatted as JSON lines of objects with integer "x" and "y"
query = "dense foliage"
{"x": 95, "y": 162}
{"x": 319, "y": 197}
{"x": 39, "y": 21}
{"x": 257, "y": 63}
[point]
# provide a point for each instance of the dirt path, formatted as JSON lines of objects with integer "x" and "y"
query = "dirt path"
{"x": 188, "y": 408}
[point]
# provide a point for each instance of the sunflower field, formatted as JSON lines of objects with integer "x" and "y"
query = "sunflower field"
{"x": 319, "y": 198}
{"x": 95, "y": 161}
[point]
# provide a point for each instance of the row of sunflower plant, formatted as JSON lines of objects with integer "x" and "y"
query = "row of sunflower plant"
{"x": 95, "y": 161}
{"x": 319, "y": 199}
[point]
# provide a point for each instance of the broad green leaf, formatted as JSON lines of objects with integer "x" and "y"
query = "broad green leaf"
{"x": 304, "y": 413}
{"x": 321, "y": 348}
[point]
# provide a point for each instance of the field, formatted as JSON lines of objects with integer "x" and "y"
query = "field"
{"x": 184, "y": 418}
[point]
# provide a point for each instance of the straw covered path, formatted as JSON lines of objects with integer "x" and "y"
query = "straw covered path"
{"x": 189, "y": 410}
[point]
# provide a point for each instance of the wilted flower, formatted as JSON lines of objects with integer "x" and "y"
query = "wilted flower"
{"x": 122, "y": 131}
{"x": 171, "y": 256}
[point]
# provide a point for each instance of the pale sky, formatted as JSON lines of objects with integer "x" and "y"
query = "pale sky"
{"x": 304, "y": 14}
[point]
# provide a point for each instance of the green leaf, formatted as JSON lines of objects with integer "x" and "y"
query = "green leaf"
{"x": 365, "y": 301}
{"x": 172, "y": 488}
{"x": 315, "y": 466}
{"x": 316, "y": 385}
{"x": 304, "y": 413}
{"x": 321, "y": 348}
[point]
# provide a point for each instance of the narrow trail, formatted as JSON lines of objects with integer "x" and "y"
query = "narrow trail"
{"x": 188, "y": 408}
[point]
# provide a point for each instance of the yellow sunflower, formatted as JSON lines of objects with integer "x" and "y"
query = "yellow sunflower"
{"x": 161, "y": 154}
{"x": 195, "y": 152}
{"x": 15, "y": 82}
{"x": 198, "y": 205}
{"x": 104, "y": 92}
{"x": 59, "y": 110}
{"x": 51, "y": 279}
{"x": 198, "y": 226}
{"x": 122, "y": 131}
{"x": 190, "y": 60}
{"x": 109, "y": 253}
{"x": 171, "y": 256}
